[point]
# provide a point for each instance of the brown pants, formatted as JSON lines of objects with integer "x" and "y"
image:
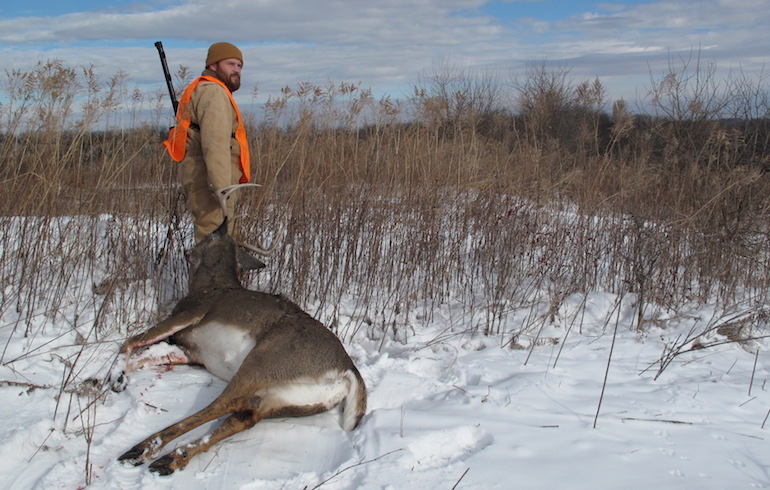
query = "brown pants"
{"x": 204, "y": 206}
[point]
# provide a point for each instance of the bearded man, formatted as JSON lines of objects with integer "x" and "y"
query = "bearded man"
{"x": 209, "y": 138}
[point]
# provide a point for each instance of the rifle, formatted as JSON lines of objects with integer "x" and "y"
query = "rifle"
{"x": 170, "y": 86}
{"x": 174, "y": 218}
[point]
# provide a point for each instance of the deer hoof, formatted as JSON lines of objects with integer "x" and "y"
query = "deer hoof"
{"x": 133, "y": 456}
{"x": 162, "y": 466}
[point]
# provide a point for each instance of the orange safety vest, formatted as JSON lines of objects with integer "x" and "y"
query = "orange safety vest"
{"x": 176, "y": 144}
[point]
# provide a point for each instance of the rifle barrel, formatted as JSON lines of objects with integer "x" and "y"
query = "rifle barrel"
{"x": 167, "y": 74}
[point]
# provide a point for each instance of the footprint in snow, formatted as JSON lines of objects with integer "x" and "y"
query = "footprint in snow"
{"x": 439, "y": 448}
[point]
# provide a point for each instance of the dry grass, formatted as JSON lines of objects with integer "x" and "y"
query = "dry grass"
{"x": 456, "y": 191}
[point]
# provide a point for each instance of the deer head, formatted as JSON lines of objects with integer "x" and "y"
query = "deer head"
{"x": 215, "y": 261}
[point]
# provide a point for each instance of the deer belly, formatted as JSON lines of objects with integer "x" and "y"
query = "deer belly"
{"x": 220, "y": 348}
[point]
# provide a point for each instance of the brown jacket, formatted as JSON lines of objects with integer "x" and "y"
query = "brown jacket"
{"x": 210, "y": 140}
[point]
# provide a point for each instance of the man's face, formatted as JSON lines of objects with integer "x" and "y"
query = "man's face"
{"x": 229, "y": 71}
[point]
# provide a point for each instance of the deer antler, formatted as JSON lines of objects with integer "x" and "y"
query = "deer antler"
{"x": 222, "y": 195}
{"x": 265, "y": 252}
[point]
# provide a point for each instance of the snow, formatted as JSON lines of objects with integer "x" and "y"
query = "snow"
{"x": 583, "y": 403}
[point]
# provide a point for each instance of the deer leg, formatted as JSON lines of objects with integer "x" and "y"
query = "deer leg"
{"x": 169, "y": 356}
{"x": 163, "y": 356}
{"x": 163, "y": 330}
{"x": 151, "y": 446}
{"x": 237, "y": 422}
{"x": 178, "y": 459}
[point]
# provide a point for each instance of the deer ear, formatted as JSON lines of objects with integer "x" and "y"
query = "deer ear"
{"x": 246, "y": 261}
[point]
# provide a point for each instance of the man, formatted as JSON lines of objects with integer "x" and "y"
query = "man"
{"x": 209, "y": 138}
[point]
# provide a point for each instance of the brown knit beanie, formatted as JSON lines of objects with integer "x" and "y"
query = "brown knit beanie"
{"x": 222, "y": 51}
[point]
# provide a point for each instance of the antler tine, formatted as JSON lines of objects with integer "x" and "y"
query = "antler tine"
{"x": 225, "y": 192}
{"x": 265, "y": 252}
{"x": 222, "y": 195}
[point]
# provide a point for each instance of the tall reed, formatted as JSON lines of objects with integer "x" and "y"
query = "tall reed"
{"x": 501, "y": 197}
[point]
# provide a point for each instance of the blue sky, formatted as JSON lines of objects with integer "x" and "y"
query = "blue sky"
{"x": 388, "y": 45}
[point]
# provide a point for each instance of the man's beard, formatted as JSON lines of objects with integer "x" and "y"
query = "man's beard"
{"x": 233, "y": 83}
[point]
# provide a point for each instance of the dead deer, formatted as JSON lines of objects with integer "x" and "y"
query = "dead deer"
{"x": 278, "y": 360}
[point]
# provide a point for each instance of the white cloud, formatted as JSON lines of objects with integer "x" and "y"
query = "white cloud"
{"x": 387, "y": 44}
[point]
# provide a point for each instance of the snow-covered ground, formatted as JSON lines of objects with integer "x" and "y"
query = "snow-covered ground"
{"x": 447, "y": 408}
